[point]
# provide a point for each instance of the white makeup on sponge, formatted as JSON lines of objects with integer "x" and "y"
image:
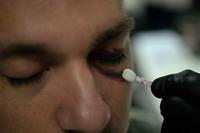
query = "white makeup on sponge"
{"x": 130, "y": 76}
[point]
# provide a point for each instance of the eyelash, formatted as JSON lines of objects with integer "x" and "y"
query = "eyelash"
{"x": 26, "y": 81}
{"x": 115, "y": 57}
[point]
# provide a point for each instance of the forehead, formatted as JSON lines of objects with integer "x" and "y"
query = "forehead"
{"x": 51, "y": 5}
{"x": 66, "y": 11}
{"x": 49, "y": 2}
{"x": 48, "y": 20}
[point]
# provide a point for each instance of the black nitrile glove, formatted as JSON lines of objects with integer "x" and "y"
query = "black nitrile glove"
{"x": 180, "y": 104}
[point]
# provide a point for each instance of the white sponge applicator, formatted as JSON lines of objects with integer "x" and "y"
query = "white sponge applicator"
{"x": 130, "y": 76}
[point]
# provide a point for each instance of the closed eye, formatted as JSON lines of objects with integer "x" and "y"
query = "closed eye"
{"x": 106, "y": 57}
{"x": 35, "y": 78}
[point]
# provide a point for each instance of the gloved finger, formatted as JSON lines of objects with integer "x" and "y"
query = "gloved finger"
{"x": 185, "y": 84}
{"x": 177, "y": 108}
{"x": 178, "y": 126}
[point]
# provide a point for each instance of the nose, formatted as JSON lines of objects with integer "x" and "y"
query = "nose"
{"x": 84, "y": 109}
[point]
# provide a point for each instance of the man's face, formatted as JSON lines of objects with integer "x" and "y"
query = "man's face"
{"x": 60, "y": 66}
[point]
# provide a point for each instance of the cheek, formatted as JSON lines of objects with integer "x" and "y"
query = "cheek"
{"x": 11, "y": 118}
{"x": 19, "y": 118}
{"x": 12, "y": 115}
{"x": 21, "y": 115}
{"x": 117, "y": 94}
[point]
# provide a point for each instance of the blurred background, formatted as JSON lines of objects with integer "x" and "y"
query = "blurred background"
{"x": 166, "y": 40}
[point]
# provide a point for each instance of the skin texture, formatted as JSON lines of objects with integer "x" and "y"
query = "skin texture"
{"x": 72, "y": 95}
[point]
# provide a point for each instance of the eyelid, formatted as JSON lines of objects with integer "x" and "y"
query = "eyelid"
{"x": 112, "y": 57}
{"x": 20, "y": 67}
{"x": 35, "y": 78}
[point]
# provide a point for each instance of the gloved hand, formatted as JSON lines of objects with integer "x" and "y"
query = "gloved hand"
{"x": 180, "y": 104}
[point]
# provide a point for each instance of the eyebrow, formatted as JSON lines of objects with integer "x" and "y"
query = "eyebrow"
{"x": 26, "y": 49}
{"x": 124, "y": 26}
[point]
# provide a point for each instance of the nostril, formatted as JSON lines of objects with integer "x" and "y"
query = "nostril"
{"x": 70, "y": 131}
{"x": 94, "y": 120}
{"x": 85, "y": 119}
